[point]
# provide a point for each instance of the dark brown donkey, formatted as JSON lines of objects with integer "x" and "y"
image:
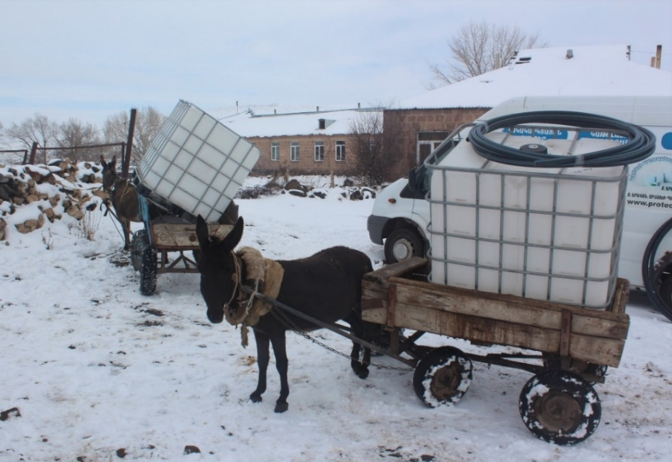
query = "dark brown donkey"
{"x": 124, "y": 198}
{"x": 326, "y": 286}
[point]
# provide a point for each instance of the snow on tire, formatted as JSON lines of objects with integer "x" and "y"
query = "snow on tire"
{"x": 442, "y": 377}
{"x": 560, "y": 407}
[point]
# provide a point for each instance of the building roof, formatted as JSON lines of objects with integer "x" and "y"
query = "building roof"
{"x": 591, "y": 70}
{"x": 336, "y": 122}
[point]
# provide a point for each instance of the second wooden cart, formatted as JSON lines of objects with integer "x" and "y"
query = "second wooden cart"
{"x": 567, "y": 348}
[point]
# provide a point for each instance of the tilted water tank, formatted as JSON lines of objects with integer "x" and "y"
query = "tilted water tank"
{"x": 196, "y": 163}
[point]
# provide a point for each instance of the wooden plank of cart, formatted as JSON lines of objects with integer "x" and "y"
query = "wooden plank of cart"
{"x": 567, "y": 347}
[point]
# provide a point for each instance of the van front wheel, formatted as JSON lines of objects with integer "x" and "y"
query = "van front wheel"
{"x": 403, "y": 243}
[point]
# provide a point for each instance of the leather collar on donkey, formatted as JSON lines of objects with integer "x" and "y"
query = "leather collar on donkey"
{"x": 265, "y": 276}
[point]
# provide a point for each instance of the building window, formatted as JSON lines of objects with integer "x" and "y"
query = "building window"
{"x": 275, "y": 152}
{"x": 427, "y": 142}
{"x": 340, "y": 151}
{"x": 294, "y": 151}
{"x": 319, "y": 151}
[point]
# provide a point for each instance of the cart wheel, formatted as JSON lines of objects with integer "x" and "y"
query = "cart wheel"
{"x": 148, "y": 272}
{"x": 138, "y": 245}
{"x": 560, "y": 407}
{"x": 442, "y": 377}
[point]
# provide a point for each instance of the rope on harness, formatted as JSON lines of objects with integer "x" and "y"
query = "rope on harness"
{"x": 109, "y": 210}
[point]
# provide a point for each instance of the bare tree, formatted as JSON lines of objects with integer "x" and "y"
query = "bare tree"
{"x": 38, "y": 129}
{"x": 148, "y": 122}
{"x": 76, "y": 135}
{"x": 374, "y": 149}
{"x": 480, "y": 47}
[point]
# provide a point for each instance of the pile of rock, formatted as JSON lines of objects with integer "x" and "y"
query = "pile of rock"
{"x": 296, "y": 188}
{"x": 58, "y": 188}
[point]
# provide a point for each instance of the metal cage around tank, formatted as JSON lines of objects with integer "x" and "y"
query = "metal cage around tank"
{"x": 544, "y": 249}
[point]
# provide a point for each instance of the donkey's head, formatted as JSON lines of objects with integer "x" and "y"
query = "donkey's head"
{"x": 109, "y": 173}
{"x": 217, "y": 265}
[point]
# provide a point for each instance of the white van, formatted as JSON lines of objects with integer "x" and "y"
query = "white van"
{"x": 401, "y": 213}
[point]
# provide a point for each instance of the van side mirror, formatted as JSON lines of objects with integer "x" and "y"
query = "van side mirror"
{"x": 411, "y": 179}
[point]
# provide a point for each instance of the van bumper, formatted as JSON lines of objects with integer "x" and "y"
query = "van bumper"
{"x": 375, "y": 225}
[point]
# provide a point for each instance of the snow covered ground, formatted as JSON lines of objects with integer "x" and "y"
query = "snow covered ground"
{"x": 98, "y": 371}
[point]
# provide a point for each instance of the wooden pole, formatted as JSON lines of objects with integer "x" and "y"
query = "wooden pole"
{"x": 33, "y": 153}
{"x": 659, "y": 55}
{"x": 653, "y": 61}
{"x": 129, "y": 144}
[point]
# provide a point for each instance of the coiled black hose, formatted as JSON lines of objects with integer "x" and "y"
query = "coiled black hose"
{"x": 641, "y": 145}
{"x": 649, "y": 273}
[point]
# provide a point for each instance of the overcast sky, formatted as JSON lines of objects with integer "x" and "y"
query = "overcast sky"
{"x": 89, "y": 59}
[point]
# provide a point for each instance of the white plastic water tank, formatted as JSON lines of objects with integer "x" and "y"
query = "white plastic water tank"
{"x": 197, "y": 163}
{"x": 547, "y": 234}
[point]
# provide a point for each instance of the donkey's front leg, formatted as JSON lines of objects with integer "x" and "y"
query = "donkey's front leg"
{"x": 126, "y": 228}
{"x": 263, "y": 357}
{"x": 282, "y": 363}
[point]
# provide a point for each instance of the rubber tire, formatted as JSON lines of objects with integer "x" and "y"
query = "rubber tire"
{"x": 653, "y": 272}
{"x": 139, "y": 243}
{"x": 560, "y": 393}
{"x": 665, "y": 290}
{"x": 408, "y": 237}
{"x": 663, "y": 283}
{"x": 148, "y": 272}
{"x": 447, "y": 368}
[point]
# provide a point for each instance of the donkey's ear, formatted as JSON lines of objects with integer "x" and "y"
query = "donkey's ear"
{"x": 202, "y": 233}
{"x": 102, "y": 161}
{"x": 113, "y": 162}
{"x": 233, "y": 238}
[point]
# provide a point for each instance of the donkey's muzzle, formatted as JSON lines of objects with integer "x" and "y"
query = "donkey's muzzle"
{"x": 216, "y": 318}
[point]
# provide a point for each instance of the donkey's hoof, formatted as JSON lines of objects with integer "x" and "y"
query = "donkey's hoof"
{"x": 359, "y": 369}
{"x": 281, "y": 407}
{"x": 255, "y": 398}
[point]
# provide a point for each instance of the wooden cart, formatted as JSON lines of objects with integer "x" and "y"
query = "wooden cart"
{"x": 160, "y": 247}
{"x": 567, "y": 347}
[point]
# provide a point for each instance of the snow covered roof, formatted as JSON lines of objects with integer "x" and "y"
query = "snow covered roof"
{"x": 591, "y": 70}
{"x": 336, "y": 122}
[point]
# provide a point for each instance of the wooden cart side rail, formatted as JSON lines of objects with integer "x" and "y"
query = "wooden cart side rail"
{"x": 605, "y": 351}
{"x": 612, "y": 313}
{"x": 511, "y": 309}
{"x": 386, "y": 275}
{"x": 517, "y": 310}
{"x": 590, "y": 335}
{"x": 182, "y": 236}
